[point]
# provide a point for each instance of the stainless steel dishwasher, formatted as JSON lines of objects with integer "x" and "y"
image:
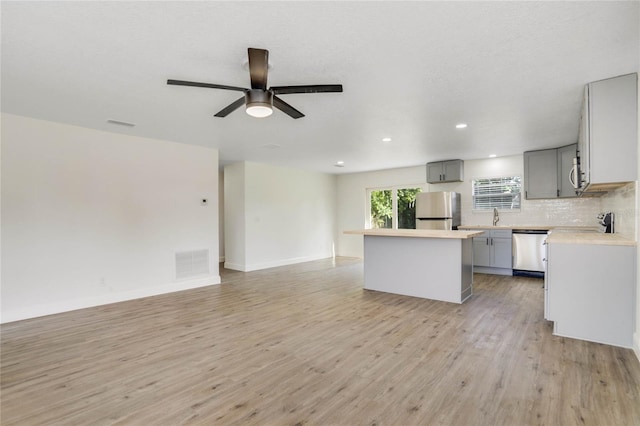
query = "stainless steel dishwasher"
{"x": 528, "y": 252}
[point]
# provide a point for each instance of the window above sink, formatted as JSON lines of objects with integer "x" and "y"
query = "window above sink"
{"x": 502, "y": 193}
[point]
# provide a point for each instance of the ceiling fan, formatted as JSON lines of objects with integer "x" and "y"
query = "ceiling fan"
{"x": 259, "y": 100}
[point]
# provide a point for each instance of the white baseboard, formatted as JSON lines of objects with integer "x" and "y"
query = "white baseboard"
{"x": 27, "y": 312}
{"x": 272, "y": 264}
{"x": 493, "y": 271}
{"x": 636, "y": 344}
{"x": 221, "y": 259}
{"x": 234, "y": 266}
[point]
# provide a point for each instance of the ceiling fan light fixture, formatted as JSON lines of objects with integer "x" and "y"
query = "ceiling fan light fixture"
{"x": 259, "y": 103}
{"x": 259, "y": 111}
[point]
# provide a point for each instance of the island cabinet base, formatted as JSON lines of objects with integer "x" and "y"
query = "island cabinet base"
{"x": 431, "y": 268}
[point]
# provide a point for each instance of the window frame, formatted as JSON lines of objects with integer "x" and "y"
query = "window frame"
{"x": 394, "y": 200}
{"x": 500, "y": 209}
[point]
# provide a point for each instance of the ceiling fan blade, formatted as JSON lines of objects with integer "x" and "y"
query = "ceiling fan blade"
{"x": 317, "y": 88}
{"x": 208, "y": 85}
{"x": 286, "y": 108}
{"x": 229, "y": 109}
{"x": 258, "y": 68}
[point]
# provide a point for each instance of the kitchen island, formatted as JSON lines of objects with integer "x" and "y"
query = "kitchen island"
{"x": 431, "y": 264}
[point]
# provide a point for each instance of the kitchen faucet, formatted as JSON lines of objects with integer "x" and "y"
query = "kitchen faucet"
{"x": 496, "y": 219}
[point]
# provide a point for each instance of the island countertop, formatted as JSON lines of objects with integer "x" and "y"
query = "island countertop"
{"x": 415, "y": 233}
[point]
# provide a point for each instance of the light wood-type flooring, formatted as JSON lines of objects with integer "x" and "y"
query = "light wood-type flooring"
{"x": 305, "y": 344}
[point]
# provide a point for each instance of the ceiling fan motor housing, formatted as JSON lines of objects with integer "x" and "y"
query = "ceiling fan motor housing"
{"x": 259, "y": 97}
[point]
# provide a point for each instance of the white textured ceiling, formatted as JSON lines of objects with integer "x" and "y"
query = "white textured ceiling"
{"x": 514, "y": 71}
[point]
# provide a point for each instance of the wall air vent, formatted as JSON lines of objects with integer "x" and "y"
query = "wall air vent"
{"x": 191, "y": 264}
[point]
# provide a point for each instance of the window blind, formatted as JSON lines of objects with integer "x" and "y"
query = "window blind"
{"x": 501, "y": 193}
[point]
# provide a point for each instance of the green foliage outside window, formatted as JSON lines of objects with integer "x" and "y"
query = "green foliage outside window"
{"x": 381, "y": 209}
{"x": 407, "y": 208}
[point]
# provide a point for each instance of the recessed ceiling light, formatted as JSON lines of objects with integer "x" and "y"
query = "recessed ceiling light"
{"x": 461, "y": 125}
{"x": 492, "y": 156}
{"x": 386, "y": 139}
{"x": 339, "y": 164}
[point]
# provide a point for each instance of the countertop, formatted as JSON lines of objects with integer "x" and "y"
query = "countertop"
{"x": 559, "y": 234}
{"x": 415, "y": 233}
{"x": 532, "y": 228}
{"x": 563, "y": 234}
{"x": 589, "y": 238}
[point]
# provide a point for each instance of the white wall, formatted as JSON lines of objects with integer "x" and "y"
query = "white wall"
{"x": 352, "y": 200}
{"x": 636, "y": 336}
{"x": 91, "y": 217}
{"x": 234, "y": 216}
{"x": 288, "y": 216}
{"x": 221, "y": 216}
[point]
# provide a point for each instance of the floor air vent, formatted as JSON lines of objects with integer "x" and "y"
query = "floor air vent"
{"x": 192, "y": 263}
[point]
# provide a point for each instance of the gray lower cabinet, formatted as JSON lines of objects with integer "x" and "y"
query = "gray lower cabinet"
{"x": 481, "y": 251}
{"x": 591, "y": 292}
{"x": 502, "y": 253}
{"x": 492, "y": 252}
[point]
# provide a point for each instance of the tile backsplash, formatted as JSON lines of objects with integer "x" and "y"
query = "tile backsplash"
{"x": 565, "y": 211}
{"x": 554, "y": 212}
{"x": 622, "y": 202}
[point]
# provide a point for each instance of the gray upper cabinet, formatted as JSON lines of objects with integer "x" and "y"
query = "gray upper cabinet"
{"x": 445, "y": 171}
{"x": 607, "y": 146}
{"x": 548, "y": 172}
{"x": 434, "y": 172}
{"x": 541, "y": 174}
{"x": 609, "y": 132}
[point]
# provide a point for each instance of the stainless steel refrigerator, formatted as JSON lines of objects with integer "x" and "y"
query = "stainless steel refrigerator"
{"x": 438, "y": 210}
